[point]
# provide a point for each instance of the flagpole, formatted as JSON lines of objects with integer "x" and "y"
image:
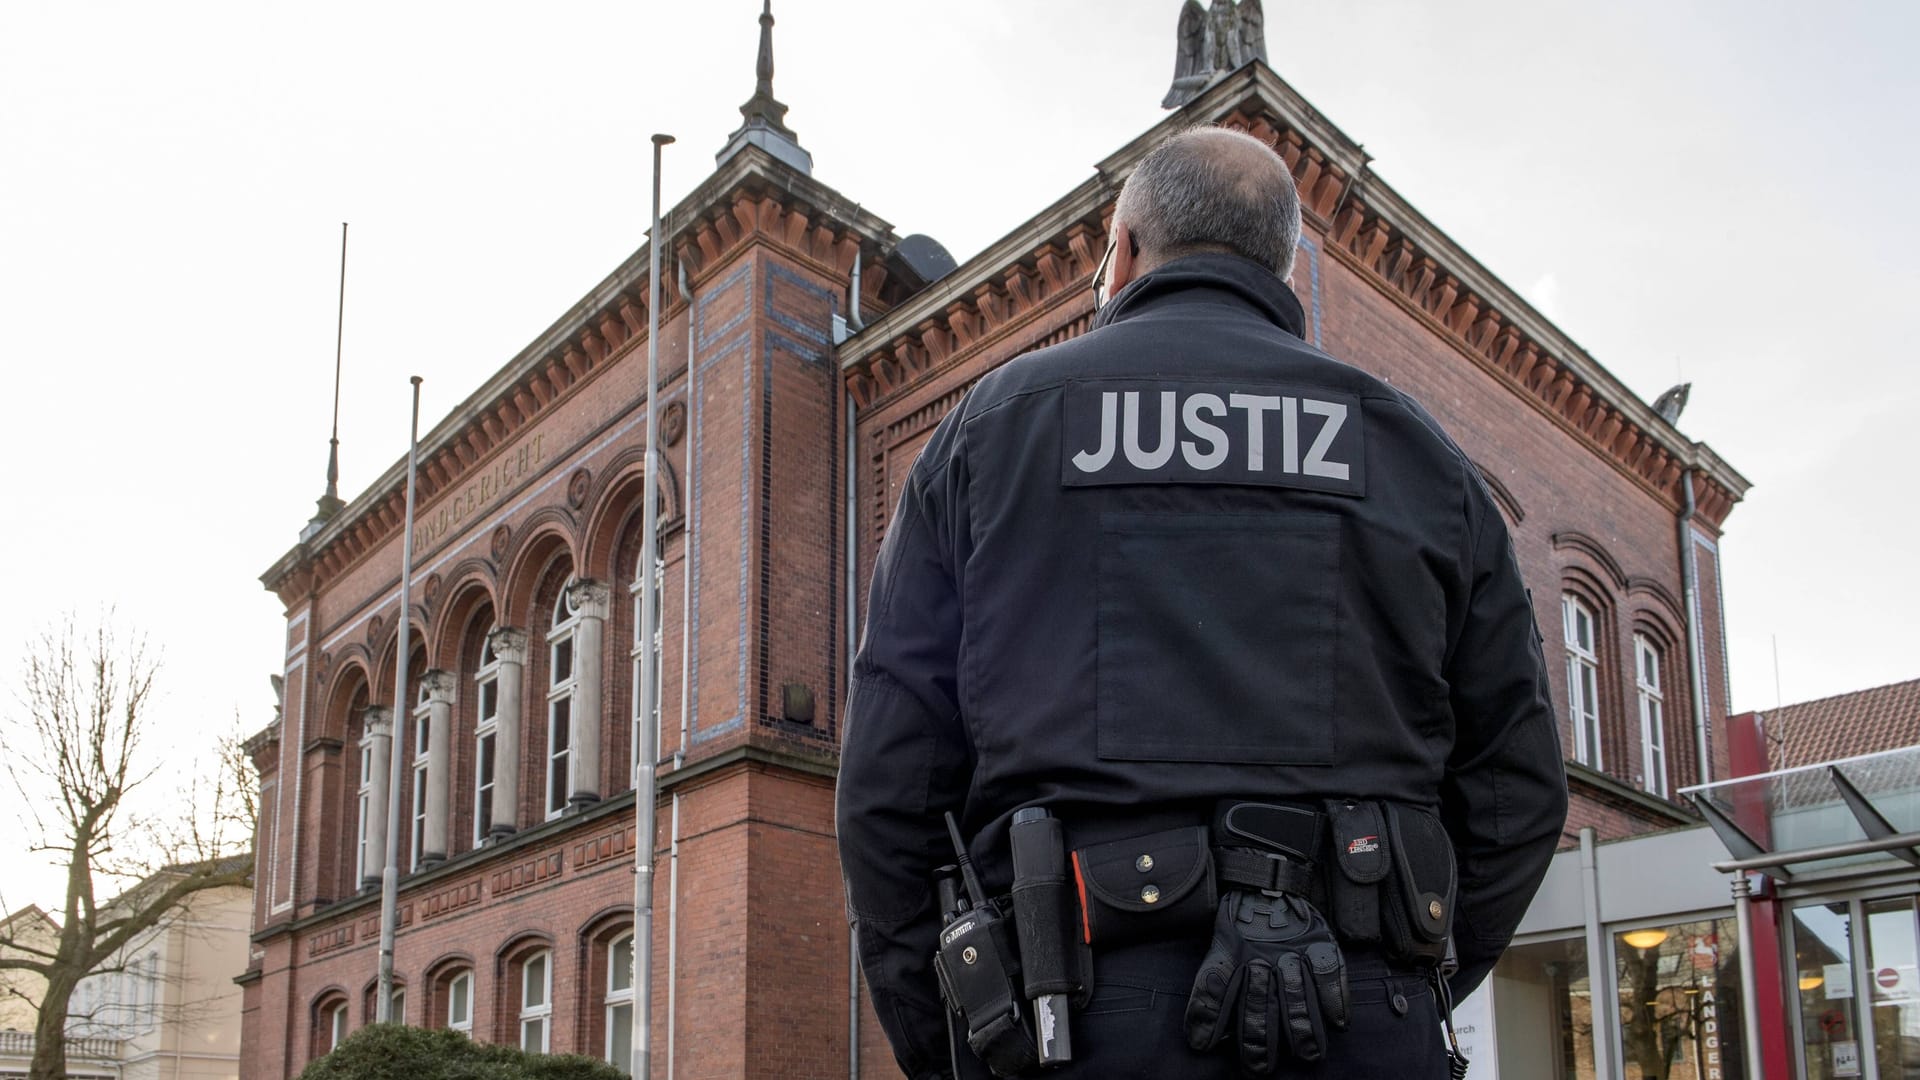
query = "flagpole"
{"x": 402, "y": 720}
{"x": 645, "y": 767}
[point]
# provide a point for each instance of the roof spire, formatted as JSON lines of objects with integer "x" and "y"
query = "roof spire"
{"x": 330, "y": 502}
{"x": 765, "y": 124}
{"x": 763, "y": 69}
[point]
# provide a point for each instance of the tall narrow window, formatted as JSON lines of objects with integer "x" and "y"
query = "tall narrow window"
{"x": 560, "y": 703}
{"x": 422, "y": 738}
{"x": 1653, "y": 726}
{"x": 150, "y": 992}
{"x": 536, "y": 1002}
{"x": 487, "y": 683}
{"x": 460, "y": 1002}
{"x": 397, "y": 1011}
{"x": 364, "y": 816}
{"x": 620, "y": 1003}
{"x": 1583, "y": 680}
{"x": 642, "y": 669}
{"x": 336, "y": 1026}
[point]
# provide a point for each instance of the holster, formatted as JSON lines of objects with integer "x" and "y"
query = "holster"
{"x": 979, "y": 973}
{"x": 1393, "y": 880}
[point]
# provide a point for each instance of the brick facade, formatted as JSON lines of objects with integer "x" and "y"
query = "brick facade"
{"x": 537, "y": 479}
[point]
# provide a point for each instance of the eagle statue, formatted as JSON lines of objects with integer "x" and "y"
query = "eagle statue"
{"x": 1214, "y": 42}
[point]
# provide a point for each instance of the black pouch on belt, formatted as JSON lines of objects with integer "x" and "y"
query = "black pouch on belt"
{"x": 1147, "y": 887}
{"x": 1419, "y": 912}
{"x": 1361, "y": 854}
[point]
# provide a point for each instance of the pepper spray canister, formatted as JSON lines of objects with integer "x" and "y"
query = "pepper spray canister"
{"x": 1044, "y": 923}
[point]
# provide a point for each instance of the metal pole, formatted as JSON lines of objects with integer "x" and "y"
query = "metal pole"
{"x": 1606, "y": 1015}
{"x": 402, "y": 718}
{"x": 646, "y": 763}
{"x": 1895, "y": 843}
{"x": 1749, "y": 989}
{"x": 853, "y": 649}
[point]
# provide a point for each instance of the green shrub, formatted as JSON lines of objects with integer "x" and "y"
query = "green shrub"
{"x": 398, "y": 1052}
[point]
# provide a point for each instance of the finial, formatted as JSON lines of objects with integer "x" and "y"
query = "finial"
{"x": 765, "y": 124}
{"x": 763, "y": 70}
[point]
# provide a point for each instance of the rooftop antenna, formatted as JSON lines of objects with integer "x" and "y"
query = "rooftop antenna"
{"x": 1776, "y": 671}
{"x": 330, "y": 503}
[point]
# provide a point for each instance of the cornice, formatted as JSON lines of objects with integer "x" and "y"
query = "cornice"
{"x": 818, "y": 765}
{"x": 1368, "y": 226}
{"x": 1608, "y": 787}
{"x": 752, "y": 198}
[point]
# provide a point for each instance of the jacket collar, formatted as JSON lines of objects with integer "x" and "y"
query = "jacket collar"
{"x": 1243, "y": 282}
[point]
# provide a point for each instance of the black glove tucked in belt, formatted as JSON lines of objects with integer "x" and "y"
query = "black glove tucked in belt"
{"x": 1273, "y": 981}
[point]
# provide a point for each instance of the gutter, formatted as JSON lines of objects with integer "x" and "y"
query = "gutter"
{"x": 1696, "y": 660}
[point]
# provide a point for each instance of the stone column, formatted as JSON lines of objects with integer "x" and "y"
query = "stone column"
{"x": 593, "y": 601}
{"x": 379, "y": 728}
{"x": 438, "y": 687}
{"x": 510, "y": 651}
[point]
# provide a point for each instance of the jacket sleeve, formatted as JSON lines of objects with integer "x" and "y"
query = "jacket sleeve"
{"x": 905, "y": 759}
{"x": 1504, "y": 795}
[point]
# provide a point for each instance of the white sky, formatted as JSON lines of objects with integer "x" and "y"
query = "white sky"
{"x": 1712, "y": 191}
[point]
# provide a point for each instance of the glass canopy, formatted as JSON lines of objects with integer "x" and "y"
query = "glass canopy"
{"x": 1812, "y": 808}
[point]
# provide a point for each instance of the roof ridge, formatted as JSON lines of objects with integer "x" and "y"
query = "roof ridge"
{"x": 1835, "y": 697}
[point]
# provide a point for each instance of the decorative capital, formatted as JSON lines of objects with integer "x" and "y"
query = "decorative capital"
{"x": 437, "y": 684}
{"x": 509, "y": 645}
{"x": 590, "y": 599}
{"x": 378, "y": 720}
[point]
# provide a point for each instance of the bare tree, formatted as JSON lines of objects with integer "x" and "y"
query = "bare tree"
{"x": 75, "y": 757}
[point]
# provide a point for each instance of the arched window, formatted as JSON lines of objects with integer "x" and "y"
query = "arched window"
{"x": 486, "y": 725}
{"x": 560, "y": 684}
{"x": 619, "y": 1002}
{"x": 641, "y": 668}
{"x": 536, "y": 1002}
{"x": 1653, "y": 731}
{"x": 330, "y": 1023}
{"x": 1583, "y": 678}
{"x": 344, "y": 866}
{"x": 397, "y": 1013}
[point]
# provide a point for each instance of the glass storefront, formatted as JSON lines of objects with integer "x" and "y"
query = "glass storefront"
{"x": 1679, "y": 991}
{"x": 1544, "y": 1002}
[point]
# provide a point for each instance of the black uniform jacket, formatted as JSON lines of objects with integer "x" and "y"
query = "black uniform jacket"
{"x": 1187, "y": 556}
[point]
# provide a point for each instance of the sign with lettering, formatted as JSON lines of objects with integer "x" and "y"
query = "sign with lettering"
{"x": 478, "y": 492}
{"x": 1846, "y": 1058}
{"x": 1473, "y": 1026}
{"x": 1130, "y": 431}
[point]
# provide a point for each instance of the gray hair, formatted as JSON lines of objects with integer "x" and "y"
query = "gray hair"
{"x": 1213, "y": 189}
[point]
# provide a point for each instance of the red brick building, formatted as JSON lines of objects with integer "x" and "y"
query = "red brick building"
{"x": 804, "y": 358}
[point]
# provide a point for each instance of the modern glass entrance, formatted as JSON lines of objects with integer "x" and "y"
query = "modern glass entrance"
{"x": 1854, "y": 969}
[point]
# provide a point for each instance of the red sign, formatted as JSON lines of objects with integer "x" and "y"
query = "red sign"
{"x": 1887, "y": 977}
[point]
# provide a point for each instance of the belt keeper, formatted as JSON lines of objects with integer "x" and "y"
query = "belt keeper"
{"x": 1267, "y": 871}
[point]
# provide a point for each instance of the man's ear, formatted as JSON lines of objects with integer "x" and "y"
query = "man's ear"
{"x": 1126, "y": 259}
